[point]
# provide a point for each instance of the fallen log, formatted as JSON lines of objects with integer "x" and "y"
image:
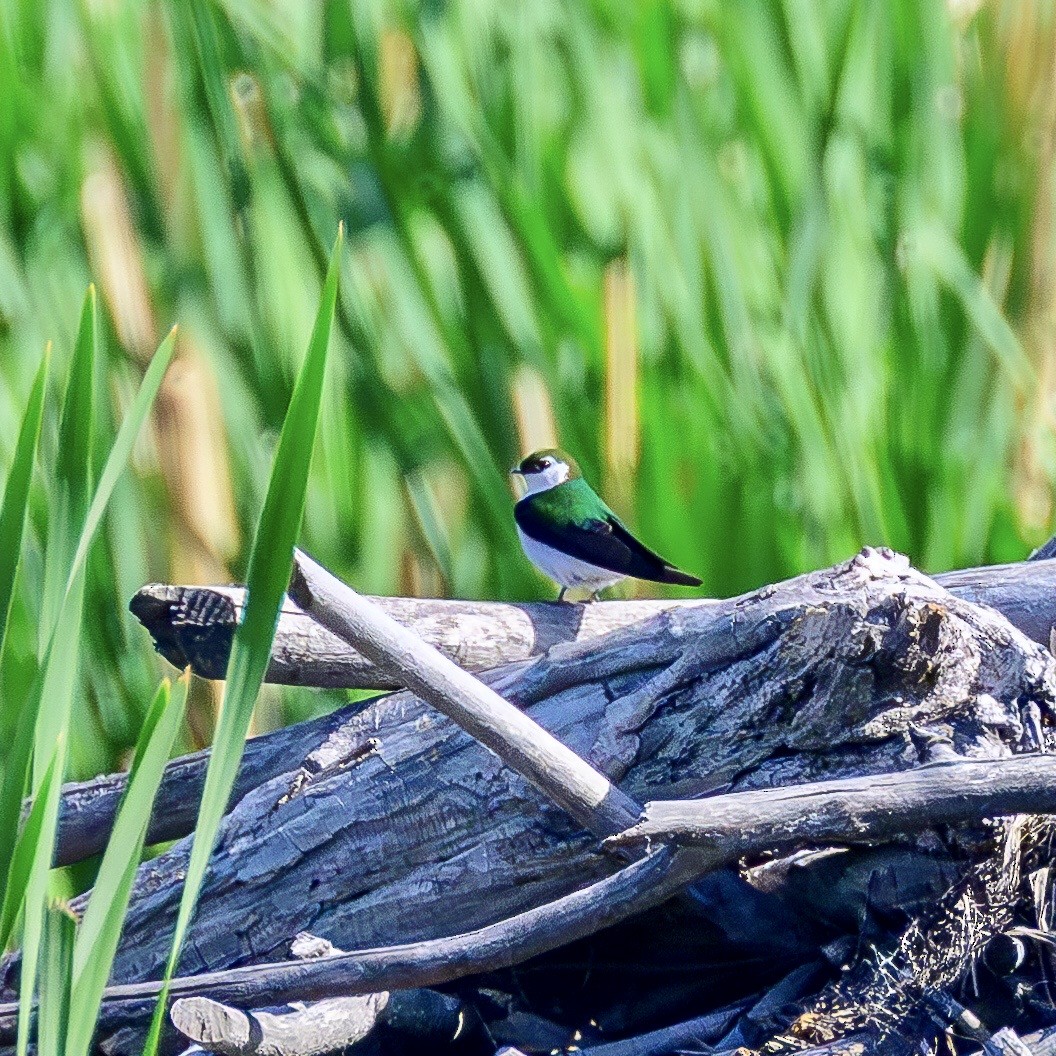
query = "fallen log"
{"x": 726, "y": 828}
{"x": 416, "y": 1017}
{"x": 194, "y": 626}
{"x": 833, "y": 675}
{"x": 325, "y": 1027}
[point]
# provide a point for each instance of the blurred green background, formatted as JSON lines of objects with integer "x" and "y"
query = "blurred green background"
{"x": 780, "y": 274}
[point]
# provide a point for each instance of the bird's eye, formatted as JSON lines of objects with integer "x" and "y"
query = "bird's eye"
{"x": 546, "y": 463}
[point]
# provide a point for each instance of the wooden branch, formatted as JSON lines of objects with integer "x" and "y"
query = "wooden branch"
{"x": 310, "y": 1029}
{"x": 317, "y": 1027}
{"x": 195, "y": 625}
{"x": 322, "y": 1027}
{"x": 518, "y": 740}
{"x": 853, "y": 810}
{"x": 88, "y": 808}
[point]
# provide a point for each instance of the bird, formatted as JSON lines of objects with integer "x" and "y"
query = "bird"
{"x": 572, "y": 537}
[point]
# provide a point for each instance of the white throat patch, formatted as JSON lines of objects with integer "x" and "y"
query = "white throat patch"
{"x": 546, "y": 479}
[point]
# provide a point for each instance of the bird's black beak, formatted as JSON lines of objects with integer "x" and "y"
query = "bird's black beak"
{"x": 516, "y": 471}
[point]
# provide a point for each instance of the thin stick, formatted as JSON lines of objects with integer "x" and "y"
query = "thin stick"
{"x": 519, "y": 741}
{"x": 852, "y": 810}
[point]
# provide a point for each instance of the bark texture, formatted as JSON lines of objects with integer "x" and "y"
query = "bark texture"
{"x": 194, "y": 626}
{"x": 397, "y": 827}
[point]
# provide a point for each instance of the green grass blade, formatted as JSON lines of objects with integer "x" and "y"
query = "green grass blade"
{"x": 73, "y": 482}
{"x": 59, "y": 647}
{"x": 72, "y": 470}
{"x": 100, "y": 929}
{"x": 12, "y": 791}
{"x": 59, "y": 678}
{"x": 269, "y": 573}
{"x": 74, "y": 454}
{"x": 51, "y": 718}
{"x": 13, "y": 515}
{"x": 53, "y": 1017}
{"x": 57, "y": 685}
{"x": 123, "y": 444}
{"x": 22, "y": 858}
{"x": 16, "y": 497}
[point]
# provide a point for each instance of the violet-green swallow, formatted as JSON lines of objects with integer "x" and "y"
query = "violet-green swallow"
{"x": 570, "y": 535}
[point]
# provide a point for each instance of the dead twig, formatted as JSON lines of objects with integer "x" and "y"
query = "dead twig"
{"x": 852, "y": 810}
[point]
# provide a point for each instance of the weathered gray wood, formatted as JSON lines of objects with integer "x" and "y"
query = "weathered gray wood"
{"x": 729, "y": 826}
{"x": 194, "y": 625}
{"x": 1022, "y": 592}
{"x": 637, "y": 887}
{"x": 823, "y": 675}
{"x": 411, "y": 831}
{"x": 517, "y": 739}
{"x": 316, "y": 1027}
{"x": 852, "y": 810}
{"x": 89, "y": 808}
{"x": 324, "y": 1027}
{"x": 417, "y": 1017}
{"x": 691, "y": 1034}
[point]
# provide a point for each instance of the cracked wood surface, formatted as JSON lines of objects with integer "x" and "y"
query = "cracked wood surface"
{"x": 194, "y": 625}
{"x": 840, "y": 673}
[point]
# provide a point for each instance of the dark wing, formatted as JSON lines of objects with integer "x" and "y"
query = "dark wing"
{"x": 601, "y": 541}
{"x": 664, "y": 572}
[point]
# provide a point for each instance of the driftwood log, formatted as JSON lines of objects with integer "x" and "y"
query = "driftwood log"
{"x": 194, "y": 626}
{"x": 388, "y": 825}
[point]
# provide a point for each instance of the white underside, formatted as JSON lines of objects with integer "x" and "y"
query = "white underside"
{"x": 565, "y": 570}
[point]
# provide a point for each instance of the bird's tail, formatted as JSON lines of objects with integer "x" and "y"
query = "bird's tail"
{"x": 670, "y": 574}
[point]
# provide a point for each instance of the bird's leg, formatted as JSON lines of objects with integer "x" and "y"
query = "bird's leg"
{"x": 561, "y": 596}
{"x": 595, "y": 595}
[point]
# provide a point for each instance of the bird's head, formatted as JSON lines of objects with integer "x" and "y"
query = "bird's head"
{"x": 542, "y": 470}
